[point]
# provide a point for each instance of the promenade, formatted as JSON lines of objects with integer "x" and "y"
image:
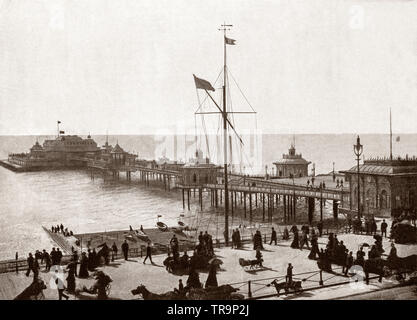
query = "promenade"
{"x": 127, "y": 275}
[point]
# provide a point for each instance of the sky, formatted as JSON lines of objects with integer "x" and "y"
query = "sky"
{"x": 125, "y": 67}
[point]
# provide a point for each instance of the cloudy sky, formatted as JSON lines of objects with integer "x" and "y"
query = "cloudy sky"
{"x": 328, "y": 66}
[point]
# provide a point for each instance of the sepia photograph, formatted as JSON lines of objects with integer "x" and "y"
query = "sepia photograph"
{"x": 229, "y": 150}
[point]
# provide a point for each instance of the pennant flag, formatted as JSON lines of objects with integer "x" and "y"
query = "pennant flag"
{"x": 61, "y": 132}
{"x": 397, "y": 139}
{"x": 59, "y": 122}
{"x": 229, "y": 41}
{"x": 203, "y": 84}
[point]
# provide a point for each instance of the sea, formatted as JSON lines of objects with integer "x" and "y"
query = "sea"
{"x": 31, "y": 200}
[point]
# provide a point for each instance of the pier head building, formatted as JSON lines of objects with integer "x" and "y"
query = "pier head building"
{"x": 387, "y": 186}
{"x": 64, "y": 151}
{"x": 291, "y": 165}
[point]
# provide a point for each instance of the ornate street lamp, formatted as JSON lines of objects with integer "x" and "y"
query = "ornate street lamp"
{"x": 358, "y": 149}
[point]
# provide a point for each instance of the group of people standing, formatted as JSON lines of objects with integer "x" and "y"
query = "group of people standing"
{"x": 236, "y": 239}
{"x": 49, "y": 259}
{"x": 60, "y": 229}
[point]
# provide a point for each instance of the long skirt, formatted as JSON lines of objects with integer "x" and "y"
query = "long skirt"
{"x": 71, "y": 283}
{"x": 83, "y": 271}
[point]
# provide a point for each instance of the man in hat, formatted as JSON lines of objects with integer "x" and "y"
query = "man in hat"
{"x": 148, "y": 253}
{"x": 125, "y": 249}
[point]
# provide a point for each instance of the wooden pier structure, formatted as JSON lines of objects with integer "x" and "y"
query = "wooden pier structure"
{"x": 243, "y": 192}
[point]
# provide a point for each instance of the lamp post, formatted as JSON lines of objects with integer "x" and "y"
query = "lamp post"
{"x": 358, "y": 149}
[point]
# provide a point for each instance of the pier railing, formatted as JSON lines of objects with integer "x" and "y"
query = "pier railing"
{"x": 310, "y": 281}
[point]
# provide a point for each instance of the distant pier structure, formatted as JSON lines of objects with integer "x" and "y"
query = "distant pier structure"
{"x": 388, "y": 186}
{"x": 291, "y": 165}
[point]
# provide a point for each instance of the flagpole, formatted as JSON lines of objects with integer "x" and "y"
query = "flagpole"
{"x": 226, "y": 189}
{"x": 390, "y": 135}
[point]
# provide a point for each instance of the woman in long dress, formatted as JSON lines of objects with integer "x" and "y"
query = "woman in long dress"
{"x": 71, "y": 267}
{"x": 295, "y": 243}
{"x": 83, "y": 266}
{"x": 212, "y": 278}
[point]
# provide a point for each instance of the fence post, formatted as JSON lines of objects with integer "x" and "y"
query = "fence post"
{"x": 321, "y": 278}
{"x": 17, "y": 268}
{"x": 249, "y": 289}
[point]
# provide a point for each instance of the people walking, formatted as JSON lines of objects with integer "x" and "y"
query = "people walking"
{"x": 58, "y": 256}
{"x": 53, "y": 256}
{"x": 320, "y": 228}
{"x": 175, "y": 247}
{"x": 71, "y": 267}
{"x": 148, "y": 253}
{"x": 304, "y": 240}
{"x": 47, "y": 260}
{"x": 60, "y": 286}
{"x": 285, "y": 234}
{"x": 348, "y": 263}
{"x": 30, "y": 260}
{"x": 384, "y": 227}
{"x": 288, "y": 277}
{"x": 273, "y": 236}
{"x": 75, "y": 259}
{"x": 125, "y": 249}
{"x": 295, "y": 244}
{"x": 113, "y": 251}
{"x": 35, "y": 269}
{"x": 83, "y": 266}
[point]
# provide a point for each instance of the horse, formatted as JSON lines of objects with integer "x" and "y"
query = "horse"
{"x": 294, "y": 285}
{"x": 33, "y": 292}
{"x": 408, "y": 263}
{"x": 147, "y": 295}
{"x": 376, "y": 265}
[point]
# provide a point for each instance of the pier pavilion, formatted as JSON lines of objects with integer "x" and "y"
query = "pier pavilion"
{"x": 291, "y": 164}
{"x": 387, "y": 186}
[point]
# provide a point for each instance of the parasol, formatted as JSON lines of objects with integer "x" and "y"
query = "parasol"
{"x": 215, "y": 261}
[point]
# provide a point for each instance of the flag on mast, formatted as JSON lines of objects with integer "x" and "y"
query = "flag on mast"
{"x": 229, "y": 41}
{"x": 203, "y": 84}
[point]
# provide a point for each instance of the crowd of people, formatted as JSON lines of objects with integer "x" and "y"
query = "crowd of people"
{"x": 60, "y": 229}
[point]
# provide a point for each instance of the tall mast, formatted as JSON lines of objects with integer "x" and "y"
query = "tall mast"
{"x": 390, "y": 135}
{"x": 226, "y": 189}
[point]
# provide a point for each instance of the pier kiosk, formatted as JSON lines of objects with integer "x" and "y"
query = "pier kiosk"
{"x": 195, "y": 176}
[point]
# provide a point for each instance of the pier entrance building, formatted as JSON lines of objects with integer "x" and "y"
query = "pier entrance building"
{"x": 387, "y": 187}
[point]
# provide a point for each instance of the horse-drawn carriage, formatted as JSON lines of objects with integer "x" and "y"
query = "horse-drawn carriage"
{"x": 403, "y": 232}
{"x": 294, "y": 286}
{"x": 182, "y": 265}
{"x": 223, "y": 292}
{"x": 251, "y": 264}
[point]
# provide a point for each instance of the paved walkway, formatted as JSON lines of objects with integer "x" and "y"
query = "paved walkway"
{"x": 127, "y": 275}
{"x": 397, "y": 293}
